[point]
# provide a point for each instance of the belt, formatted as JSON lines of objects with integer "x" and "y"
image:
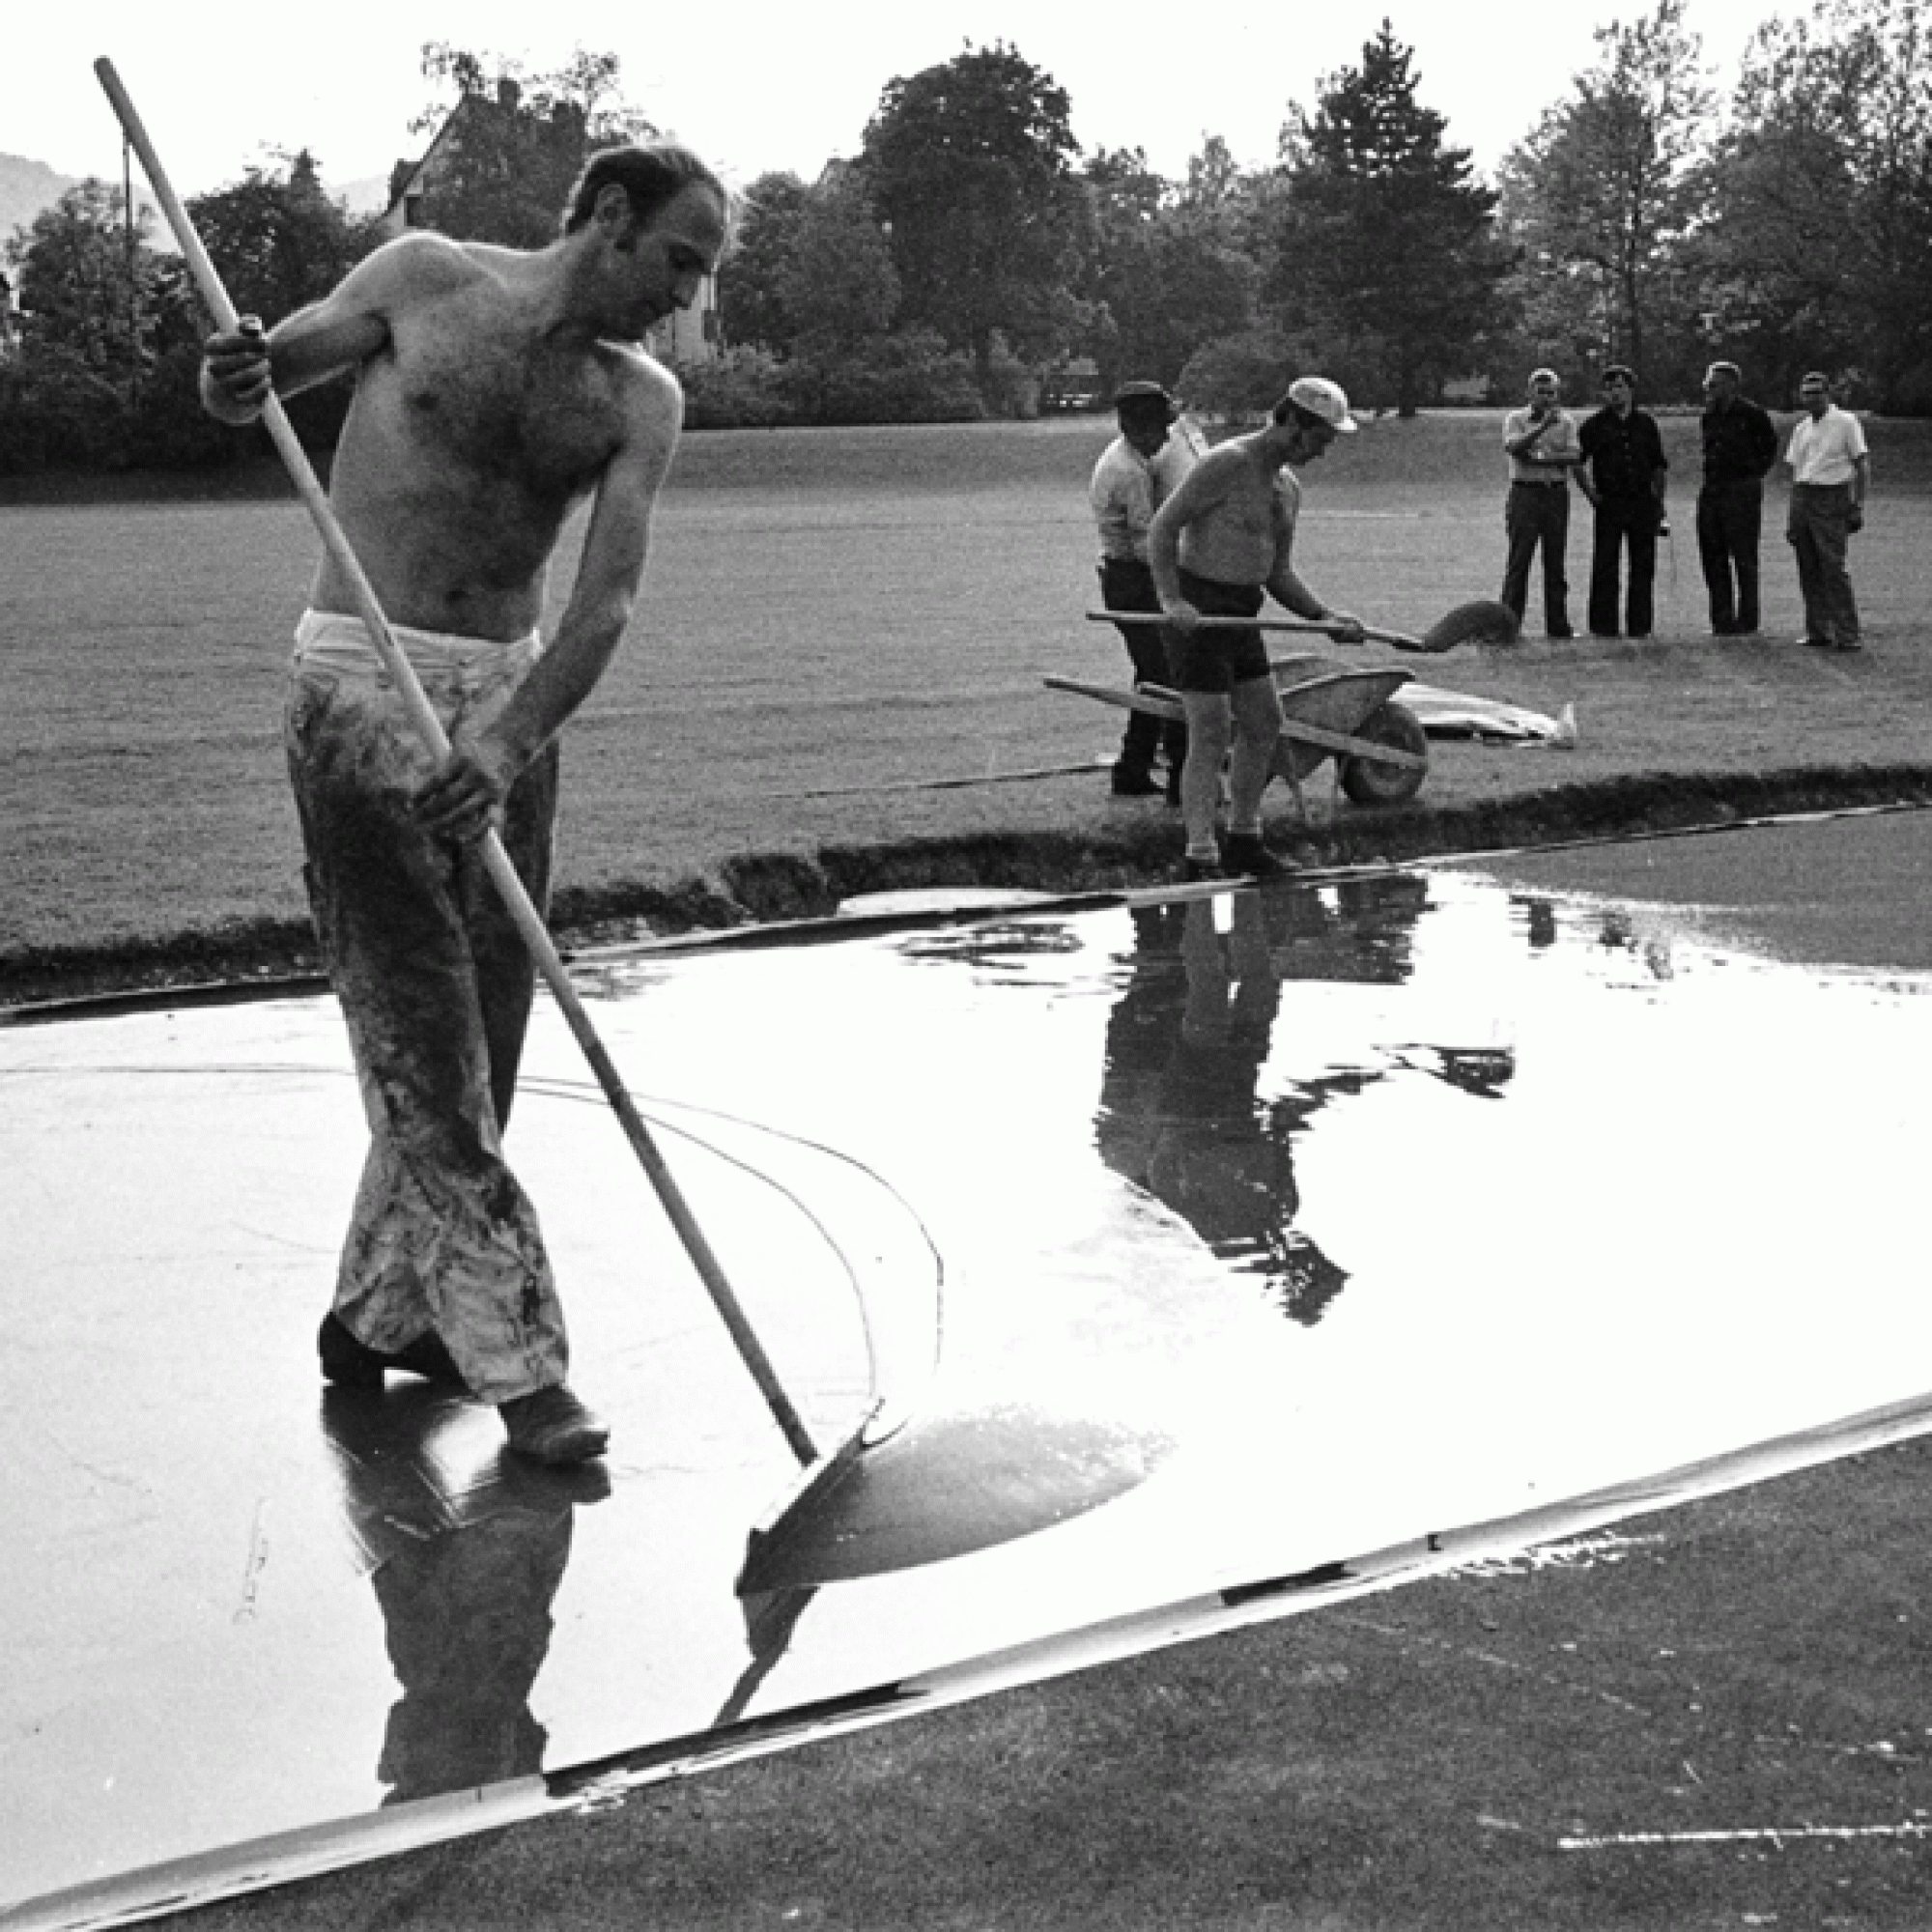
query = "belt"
{"x": 1537, "y": 483}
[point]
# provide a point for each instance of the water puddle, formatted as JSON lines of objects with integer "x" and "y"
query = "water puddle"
{"x": 1218, "y": 1260}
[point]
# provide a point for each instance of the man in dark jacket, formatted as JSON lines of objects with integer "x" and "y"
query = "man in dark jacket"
{"x": 1623, "y": 475}
{"x": 1740, "y": 447}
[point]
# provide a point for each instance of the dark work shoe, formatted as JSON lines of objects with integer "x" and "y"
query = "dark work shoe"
{"x": 1134, "y": 784}
{"x": 551, "y": 1426}
{"x": 1562, "y": 636}
{"x": 1244, "y": 854}
{"x": 1196, "y": 872}
{"x": 352, "y": 1364}
{"x": 1814, "y": 644}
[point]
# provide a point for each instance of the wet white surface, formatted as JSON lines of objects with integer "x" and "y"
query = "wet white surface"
{"x": 1274, "y": 1229}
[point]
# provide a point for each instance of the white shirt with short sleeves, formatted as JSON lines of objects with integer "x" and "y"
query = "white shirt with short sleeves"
{"x": 1128, "y": 488}
{"x": 1826, "y": 450}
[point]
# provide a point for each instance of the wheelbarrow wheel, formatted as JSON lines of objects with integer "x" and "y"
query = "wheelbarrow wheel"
{"x": 1367, "y": 782}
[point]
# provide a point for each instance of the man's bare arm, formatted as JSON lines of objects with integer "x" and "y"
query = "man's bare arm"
{"x": 463, "y": 799}
{"x": 339, "y": 332}
{"x": 1287, "y": 588}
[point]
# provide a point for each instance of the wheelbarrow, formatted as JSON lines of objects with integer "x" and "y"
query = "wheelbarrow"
{"x": 1329, "y": 710}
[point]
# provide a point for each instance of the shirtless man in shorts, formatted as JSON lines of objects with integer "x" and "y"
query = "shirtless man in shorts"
{"x": 1223, "y": 539}
{"x": 494, "y": 391}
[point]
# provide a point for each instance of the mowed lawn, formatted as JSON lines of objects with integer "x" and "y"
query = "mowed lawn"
{"x": 837, "y": 620}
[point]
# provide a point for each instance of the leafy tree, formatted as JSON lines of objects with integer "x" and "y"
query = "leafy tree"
{"x": 1602, "y": 194}
{"x": 110, "y": 341}
{"x": 81, "y": 276}
{"x": 1384, "y": 253}
{"x": 969, "y": 164}
{"x": 753, "y": 290}
{"x": 1172, "y": 273}
{"x": 512, "y": 144}
{"x": 840, "y": 287}
{"x": 278, "y": 238}
{"x": 1820, "y": 233}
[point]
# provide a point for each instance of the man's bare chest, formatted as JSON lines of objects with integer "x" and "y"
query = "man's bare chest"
{"x": 513, "y": 410}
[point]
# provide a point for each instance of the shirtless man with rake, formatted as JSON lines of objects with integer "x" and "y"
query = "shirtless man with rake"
{"x": 496, "y": 389}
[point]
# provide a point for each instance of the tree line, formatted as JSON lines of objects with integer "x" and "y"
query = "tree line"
{"x": 971, "y": 254}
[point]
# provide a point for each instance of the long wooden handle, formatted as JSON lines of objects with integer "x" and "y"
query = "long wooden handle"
{"x": 1400, "y": 640}
{"x": 496, "y": 861}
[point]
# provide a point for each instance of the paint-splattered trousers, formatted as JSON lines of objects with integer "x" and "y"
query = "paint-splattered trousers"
{"x": 436, "y": 984}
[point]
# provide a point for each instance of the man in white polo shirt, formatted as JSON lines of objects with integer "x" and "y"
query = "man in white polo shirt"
{"x": 1831, "y": 473}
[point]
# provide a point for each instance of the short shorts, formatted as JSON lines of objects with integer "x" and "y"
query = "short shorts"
{"x": 1217, "y": 660}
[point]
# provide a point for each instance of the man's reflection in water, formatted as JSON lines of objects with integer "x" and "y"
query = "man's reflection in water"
{"x": 1180, "y": 1110}
{"x": 466, "y": 1547}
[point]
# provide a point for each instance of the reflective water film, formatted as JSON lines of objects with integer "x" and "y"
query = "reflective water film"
{"x": 1196, "y": 1262}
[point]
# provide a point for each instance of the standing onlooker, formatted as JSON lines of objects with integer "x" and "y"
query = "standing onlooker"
{"x": 1543, "y": 449}
{"x": 1830, "y": 476}
{"x": 1740, "y": 447}
{"x": 1624, "y": 479}
{"x": 1136, "y": 473}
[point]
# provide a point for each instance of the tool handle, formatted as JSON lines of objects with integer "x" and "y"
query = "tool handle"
{"x": 1398, "y": 639}
{"x": 496, "y": 861}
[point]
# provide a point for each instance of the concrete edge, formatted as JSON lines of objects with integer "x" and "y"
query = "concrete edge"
{"x": 234, "y": 958}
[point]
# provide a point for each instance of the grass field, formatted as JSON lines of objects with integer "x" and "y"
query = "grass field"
{"x": 835, "y": 621}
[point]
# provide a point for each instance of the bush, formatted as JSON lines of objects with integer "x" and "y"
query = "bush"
{"x": 1238, "y": 375}
{"x": 743, "y": 388}
{"x": 1911, "y": 394}
{"x": 886, "y": 379}
{"x": 57, "y": 413}
{"x": 1010, "y": 390}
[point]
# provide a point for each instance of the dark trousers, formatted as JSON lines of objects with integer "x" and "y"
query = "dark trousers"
{"x": 1729, "y": 516}
{"x": 1819, "y": 532}
{"x": 1538, "y": 514}
{"x": 1623, "y": 520}
{"x": 1126, "y": 583}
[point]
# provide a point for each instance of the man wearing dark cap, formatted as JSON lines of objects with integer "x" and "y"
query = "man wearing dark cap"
{"x": 1218, "y": 546}
{"x": 1740, "y": 447}
{"x": 1135, "y": 474}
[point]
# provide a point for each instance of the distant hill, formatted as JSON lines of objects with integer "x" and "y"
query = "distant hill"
{"x": 26, "y": 189}
{"x": 368, "y": 196}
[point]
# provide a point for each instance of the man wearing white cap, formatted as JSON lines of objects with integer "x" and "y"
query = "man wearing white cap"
{"x": 1221, "y": 543}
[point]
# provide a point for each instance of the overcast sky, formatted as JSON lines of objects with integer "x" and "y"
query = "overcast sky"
{"x": 762, "y": 85}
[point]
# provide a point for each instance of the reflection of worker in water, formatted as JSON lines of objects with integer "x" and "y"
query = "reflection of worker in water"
{"x": 466, "y": 1564}
{"x": 1181, "y": 1113}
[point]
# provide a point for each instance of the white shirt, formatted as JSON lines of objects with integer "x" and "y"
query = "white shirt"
{"x": 1127, "y": 489}
{"x": 1827, "y": 449}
